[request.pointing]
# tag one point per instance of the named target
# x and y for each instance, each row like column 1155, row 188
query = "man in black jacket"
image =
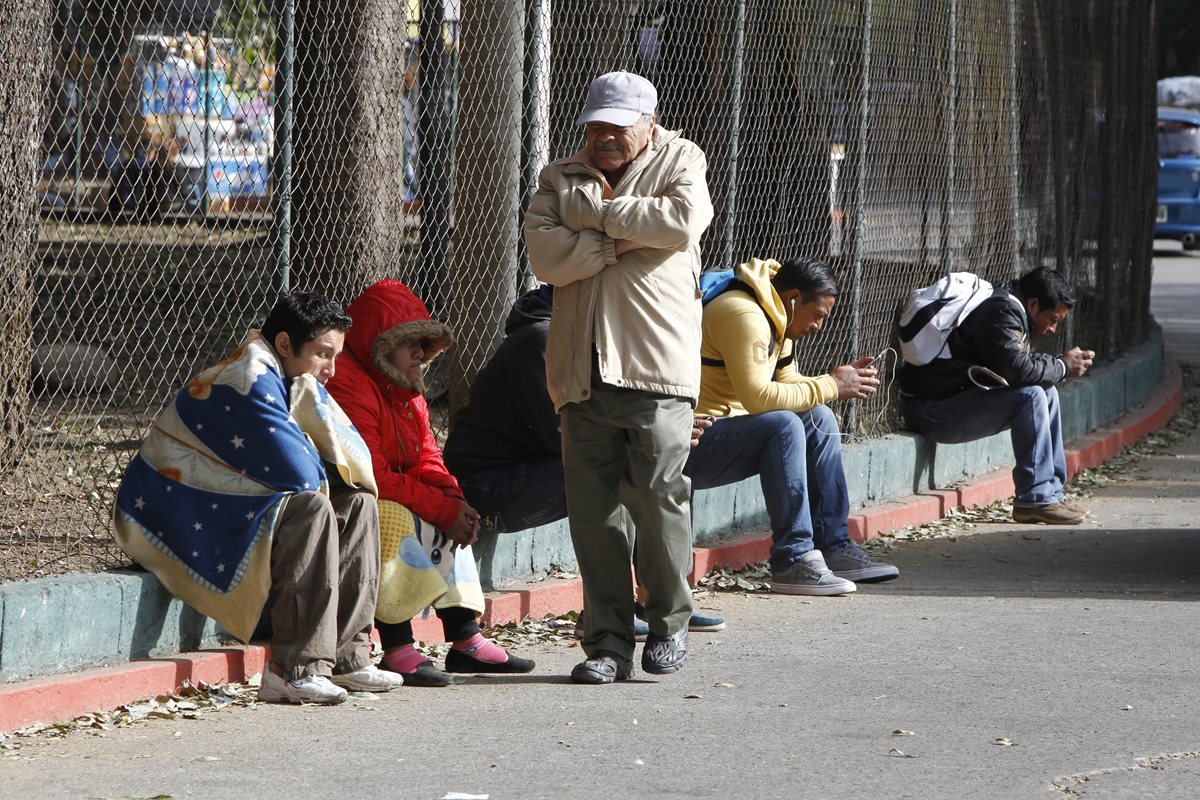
column 951, row 400
column 505, row 447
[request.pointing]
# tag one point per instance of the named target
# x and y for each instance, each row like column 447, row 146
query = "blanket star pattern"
column 201, row 501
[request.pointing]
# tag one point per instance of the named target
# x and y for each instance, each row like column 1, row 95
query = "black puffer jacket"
column 510, row 417
column 996, row 335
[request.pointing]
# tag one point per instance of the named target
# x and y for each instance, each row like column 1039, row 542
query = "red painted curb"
column 62, row 697
column 996, row 485
column 554, row 596
column 540, row 599
column 734, row 552
column 1154, row 415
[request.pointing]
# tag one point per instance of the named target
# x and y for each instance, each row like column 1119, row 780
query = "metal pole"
column 951, row 136
column 735, row 124
column 1108, row 256
column 436, row 127
column 79, row 56
column 537, row 120
column 860, row 199
column 1059, row 153
column 1060, row 158
column 204, row 75
column 282, row 166
column 1014, row 137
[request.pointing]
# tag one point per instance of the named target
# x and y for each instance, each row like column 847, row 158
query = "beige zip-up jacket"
column 640, row 311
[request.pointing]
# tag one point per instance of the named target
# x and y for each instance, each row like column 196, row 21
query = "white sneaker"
column 369, row 679
column 312, row 689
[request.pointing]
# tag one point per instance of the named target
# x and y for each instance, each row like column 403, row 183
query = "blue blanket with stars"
column 201, row 501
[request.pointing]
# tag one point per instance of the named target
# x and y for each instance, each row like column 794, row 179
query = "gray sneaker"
column 662, row 655
column 604, row 667
column 851, row 562
column 810, row 576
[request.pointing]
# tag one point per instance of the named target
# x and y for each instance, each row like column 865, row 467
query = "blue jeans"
column 783, row 448
column 798, row 460
column 518, row 496
column 1031, row 413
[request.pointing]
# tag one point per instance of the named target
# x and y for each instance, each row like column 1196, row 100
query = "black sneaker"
column 663, row 655
column 604, row 667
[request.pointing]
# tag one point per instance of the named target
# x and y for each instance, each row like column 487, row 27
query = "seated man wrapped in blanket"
column 253, row 486
column 426, row 527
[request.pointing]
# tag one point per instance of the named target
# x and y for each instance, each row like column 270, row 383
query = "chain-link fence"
column 196, row 156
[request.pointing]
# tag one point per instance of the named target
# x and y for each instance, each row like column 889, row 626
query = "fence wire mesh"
column 197, row 157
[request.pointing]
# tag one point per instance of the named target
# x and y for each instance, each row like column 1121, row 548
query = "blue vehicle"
column 1178, row 214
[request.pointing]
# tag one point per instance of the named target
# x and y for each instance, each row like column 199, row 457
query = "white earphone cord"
column 886, row 394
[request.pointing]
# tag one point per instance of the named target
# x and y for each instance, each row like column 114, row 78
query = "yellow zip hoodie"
column 756, row 377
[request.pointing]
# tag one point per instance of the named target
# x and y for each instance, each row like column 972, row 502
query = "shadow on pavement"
column 1041, row 562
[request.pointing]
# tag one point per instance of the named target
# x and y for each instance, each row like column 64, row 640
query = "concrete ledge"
column 60, row 624
column 924, row 507
column 39, row 619
column 899, row 465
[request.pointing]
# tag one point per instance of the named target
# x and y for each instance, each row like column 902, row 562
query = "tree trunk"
column 347, row 214
column 488, row 186
column 24, row 50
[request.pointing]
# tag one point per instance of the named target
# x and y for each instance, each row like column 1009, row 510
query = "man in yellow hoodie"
column 771, row 421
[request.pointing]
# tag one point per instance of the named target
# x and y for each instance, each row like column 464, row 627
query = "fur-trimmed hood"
column 385, row 315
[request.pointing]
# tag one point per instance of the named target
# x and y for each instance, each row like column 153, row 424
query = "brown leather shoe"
column 1053, row 514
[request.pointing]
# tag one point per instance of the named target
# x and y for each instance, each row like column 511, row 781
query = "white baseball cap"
column 619, row 98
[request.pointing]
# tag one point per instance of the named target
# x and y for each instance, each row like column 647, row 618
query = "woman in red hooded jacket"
column 427, row 527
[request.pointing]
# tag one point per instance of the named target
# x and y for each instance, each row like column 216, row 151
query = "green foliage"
column 251, row 25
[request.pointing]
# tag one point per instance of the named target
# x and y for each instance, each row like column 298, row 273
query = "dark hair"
column 1049, row 287
column 303, row 316
column 812, row 277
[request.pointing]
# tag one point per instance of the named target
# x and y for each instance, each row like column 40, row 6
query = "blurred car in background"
column 1178, row 213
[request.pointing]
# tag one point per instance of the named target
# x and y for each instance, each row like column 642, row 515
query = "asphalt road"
column 1173, row 298
column 1008, row 661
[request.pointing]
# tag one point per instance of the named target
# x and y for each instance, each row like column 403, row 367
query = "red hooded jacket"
column 389, row 411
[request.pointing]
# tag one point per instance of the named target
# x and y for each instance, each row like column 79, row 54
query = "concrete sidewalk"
column 63, row 697
column 1008, row 661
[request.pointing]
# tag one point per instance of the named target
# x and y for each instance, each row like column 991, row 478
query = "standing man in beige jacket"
column 616, row 229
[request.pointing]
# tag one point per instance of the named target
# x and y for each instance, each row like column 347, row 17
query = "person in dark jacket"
column 953, row 400
column 505, row 446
